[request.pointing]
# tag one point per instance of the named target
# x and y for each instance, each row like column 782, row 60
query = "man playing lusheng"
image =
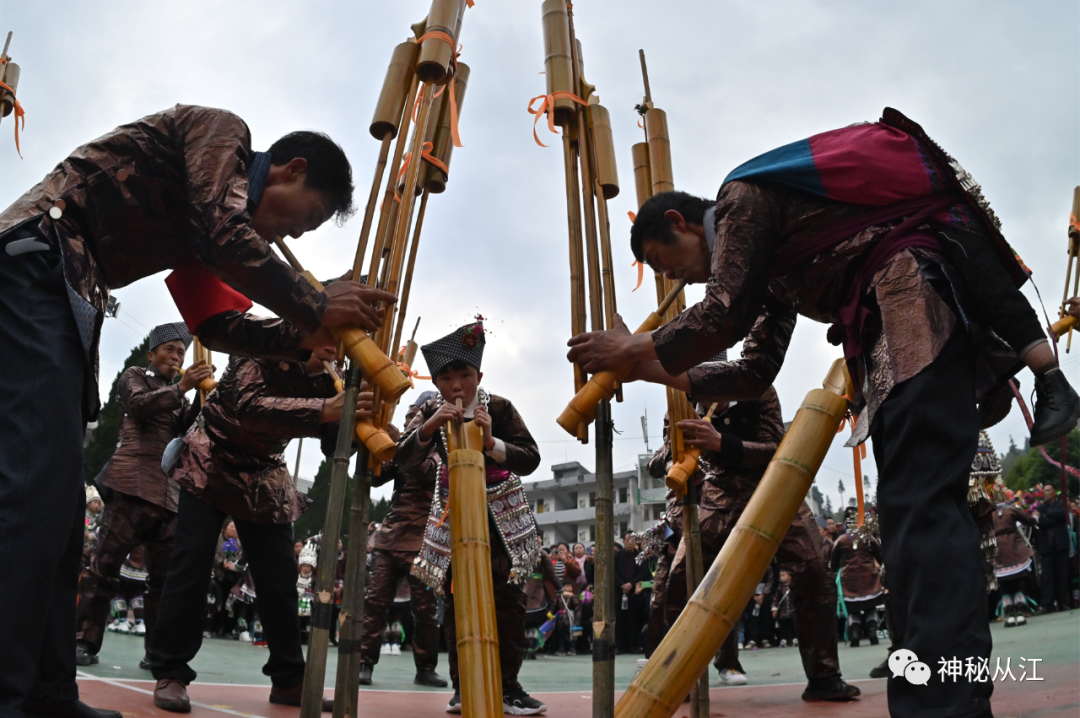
column 232, row 464
column 177, row 189
column 873, row 227
column 142, row 508
column 397, row 544
column 510, row 452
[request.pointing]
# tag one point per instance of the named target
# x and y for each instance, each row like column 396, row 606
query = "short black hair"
column 328, row 170
column 651, row 224
column 456, row 365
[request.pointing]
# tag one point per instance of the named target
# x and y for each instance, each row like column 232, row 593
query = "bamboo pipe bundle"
column 656, row 130
column 359, row 347
column 692, row 642
column 642, row 172
column 395, row 90
column 607, row 172
column 377, row 441
column 434, row 179
column 435, row 55
column 474, row 592
column 678, row 477
column 601, row 386
column 1064, row 325
column 695, row 570
column 558, row 65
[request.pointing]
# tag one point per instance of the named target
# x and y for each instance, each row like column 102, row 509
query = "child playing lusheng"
column 510, row 451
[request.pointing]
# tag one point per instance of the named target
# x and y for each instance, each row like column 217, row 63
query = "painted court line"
column 118, row 684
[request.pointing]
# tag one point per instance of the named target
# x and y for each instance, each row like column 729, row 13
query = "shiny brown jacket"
column 154, row 195
column 1012, row 549
column 858, row 566
column 402, row 529
column 233, row 459
column 155, row 412
column 755, row 220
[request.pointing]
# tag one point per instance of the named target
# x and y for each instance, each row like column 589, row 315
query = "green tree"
column 379, row 509
column 815, row 494
column 313, row 520
column 1031, row 468
column 106, row 436
column 827, row 509
column 840, row 488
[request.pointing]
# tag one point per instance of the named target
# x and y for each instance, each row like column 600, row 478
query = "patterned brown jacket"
column 233, row 458
column 153, row 195
column 155, row 412
column 1012, row 549
column 402, row 529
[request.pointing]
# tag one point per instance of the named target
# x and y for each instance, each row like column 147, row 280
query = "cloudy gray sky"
column 997, row 84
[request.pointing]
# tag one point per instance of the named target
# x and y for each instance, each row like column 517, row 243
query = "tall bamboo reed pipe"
column 474, row 593
column 558, row 65
column 372, row 362
column 577, row 264
column 442, row 145
column 711, row 612
column 1073, row 270
column 323, row 601
column 601, row 386
column 406, row 285
column 347, row 685
column 695, row 570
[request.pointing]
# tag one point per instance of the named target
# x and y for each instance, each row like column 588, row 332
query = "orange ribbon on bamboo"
column 640, row 265
column 425, row 154
column 548, row 105
column 20, row 114
column 445, row 37
column 411, row 373
column 859, row 453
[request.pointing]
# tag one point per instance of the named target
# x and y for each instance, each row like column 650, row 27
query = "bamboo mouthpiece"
column 1063, row 325
column 377, row 440
column 208, row 384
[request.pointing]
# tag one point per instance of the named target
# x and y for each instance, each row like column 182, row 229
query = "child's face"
column 456, row 384
column 785, row 577
column 94, row 506
column 305, row 570
column 568, row 590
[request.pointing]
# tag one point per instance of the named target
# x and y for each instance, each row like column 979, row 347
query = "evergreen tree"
column 818, row 499
column 827, row 510
column 379, row 509
column 1031, row 468
column 106, row 437
column 841, row 489
column 313, row 520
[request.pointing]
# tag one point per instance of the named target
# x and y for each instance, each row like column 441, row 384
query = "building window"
column 622, row 495
column 540, row 506
column 592, row 533
column 592, row 498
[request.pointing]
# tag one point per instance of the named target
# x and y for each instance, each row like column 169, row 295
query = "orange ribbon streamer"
column 640, row 265
column 20, row 114
column 425, row 154
column 445, row 37
column 411, row 373
column 548, row 105
column 1074, row 224
column 858, row 453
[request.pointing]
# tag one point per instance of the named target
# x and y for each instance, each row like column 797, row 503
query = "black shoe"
column 830, row 689
column 365, row 675
column 64, row 709
column 454, row 706
column 429, row 678
column 145, row 662
column 83, row 656
column 520, row 703
column 1057, row 407
column 881, row 670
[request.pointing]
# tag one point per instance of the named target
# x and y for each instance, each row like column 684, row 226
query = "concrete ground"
column 230, row 680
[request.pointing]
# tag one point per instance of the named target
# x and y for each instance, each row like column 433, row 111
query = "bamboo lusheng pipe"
column 558, row 65
column 695, row 570
column 659, row 151
column 208, row 384
column 692, row 642
column 607, row 172
column 1073, row 269
column 434, row 180
column 601, row 387
column 347, row 685
column 1064, row 325
column 678, row 477
column 406, row 287
column 642, row 172
column 435, row 55
column 359, row 347
column 322, row 601
column 577, row 265
column 596, row 299
column 474, row 592
column 377, row 440
column 9, row 75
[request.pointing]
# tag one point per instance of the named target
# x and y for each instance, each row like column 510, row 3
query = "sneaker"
column 365, row 674
column 385, row 650
column 1010, row 621
column 1021, row 619
column 740, row 646
column 830, row 689
column 732, row 678
column 395, row 649
column 454, row 706
column 881, row 670
column 139, row 629
column 795, row 642
column 83, row 656
column 751, row 645
column 207, row 634
column 1057, row 407
column 571, row 652
column 245, row 636
column 560, row 653
column 783, row 643
column 520, row 703
column 429, row 678
column 766, row 644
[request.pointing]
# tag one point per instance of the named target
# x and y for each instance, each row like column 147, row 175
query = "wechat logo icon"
column 905, row 664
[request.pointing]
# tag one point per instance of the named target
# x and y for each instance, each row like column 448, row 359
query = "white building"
column 565, row 505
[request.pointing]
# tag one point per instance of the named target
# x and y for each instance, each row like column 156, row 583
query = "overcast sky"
column 997, row 84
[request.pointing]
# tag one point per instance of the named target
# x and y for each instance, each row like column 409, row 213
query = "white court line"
column 118, row 684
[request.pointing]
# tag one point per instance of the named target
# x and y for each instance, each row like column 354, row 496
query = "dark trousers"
column 42, row 493
column 178, row 636
column 128, row 522
column 924, row 436
column 509, row 621
column 387, row 568
column 1054, row 582
column 812, row 594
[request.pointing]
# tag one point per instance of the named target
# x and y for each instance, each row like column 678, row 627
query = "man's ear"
column 295, row 170
column 676, row 219
column 479, row 377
